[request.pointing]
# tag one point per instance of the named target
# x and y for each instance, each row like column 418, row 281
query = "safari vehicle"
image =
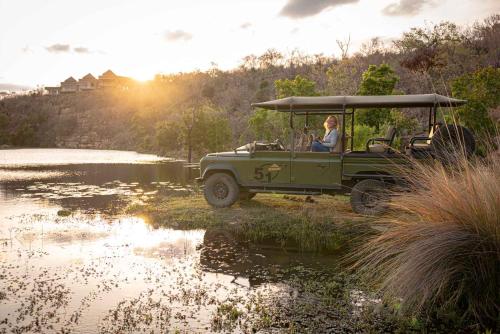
column 366, row 175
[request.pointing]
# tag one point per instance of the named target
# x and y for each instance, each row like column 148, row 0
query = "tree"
column 4, row 123
column 216, row 129
column 344, row 77
column 199, row 129
column 265, row 124
column 425, row 49
column 167, row 136
column 376, row 80
column 481, row 90
column 299, row 86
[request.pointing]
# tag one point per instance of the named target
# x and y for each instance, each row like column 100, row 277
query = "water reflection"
column 95, row 187
column 225, row 253
column 99, row 270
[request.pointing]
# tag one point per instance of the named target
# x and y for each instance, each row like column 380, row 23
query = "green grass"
column 326, row 225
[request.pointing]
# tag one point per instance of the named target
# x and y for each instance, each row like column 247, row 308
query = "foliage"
column 4, row 123
column 481, row 90
column 362, row 133
column 424, row 49
column 24, row 135
column 403, row 123
column 129, row 119
column 167, row 137
column 343, row 78
column 377, row 80
column 268, row 124
column 198, row 129
column 216, row 130
column 299, row 86
column 442, row 250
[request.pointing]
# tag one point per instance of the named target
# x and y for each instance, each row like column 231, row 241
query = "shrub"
column 442, row 251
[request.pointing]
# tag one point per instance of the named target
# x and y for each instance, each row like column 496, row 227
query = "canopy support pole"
column 343, row 133
column 292, row 134
column 352, row 129
column 429, row 126
column 435, row 112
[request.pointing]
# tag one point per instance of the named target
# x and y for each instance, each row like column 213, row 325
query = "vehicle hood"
column 229, row 154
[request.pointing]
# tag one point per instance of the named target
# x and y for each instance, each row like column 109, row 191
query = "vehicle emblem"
column 274, row 168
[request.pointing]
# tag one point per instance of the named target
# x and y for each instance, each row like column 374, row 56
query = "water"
column 102, row 270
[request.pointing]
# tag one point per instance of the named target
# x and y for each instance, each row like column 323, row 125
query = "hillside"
column 165, row 114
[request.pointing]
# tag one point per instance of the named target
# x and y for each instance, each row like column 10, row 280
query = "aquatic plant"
column 442, row 251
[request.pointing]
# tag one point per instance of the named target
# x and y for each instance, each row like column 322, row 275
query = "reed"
column 441, row 252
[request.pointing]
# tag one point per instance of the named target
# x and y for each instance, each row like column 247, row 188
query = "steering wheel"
column 280, row 145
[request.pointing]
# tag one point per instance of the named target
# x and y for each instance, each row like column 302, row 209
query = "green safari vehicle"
column 270, row 167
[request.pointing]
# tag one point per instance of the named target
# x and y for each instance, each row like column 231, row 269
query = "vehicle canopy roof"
column 333, row 103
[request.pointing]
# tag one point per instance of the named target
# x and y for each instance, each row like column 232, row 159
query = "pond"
column 72, row 261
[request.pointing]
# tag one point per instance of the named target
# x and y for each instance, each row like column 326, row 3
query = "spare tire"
column 452, row 142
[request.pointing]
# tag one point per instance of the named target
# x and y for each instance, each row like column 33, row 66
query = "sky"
column 43, row 42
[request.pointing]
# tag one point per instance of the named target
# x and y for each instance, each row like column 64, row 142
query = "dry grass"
column 442, row 252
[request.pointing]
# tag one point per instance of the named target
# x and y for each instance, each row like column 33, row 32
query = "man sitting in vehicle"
column 330, row 139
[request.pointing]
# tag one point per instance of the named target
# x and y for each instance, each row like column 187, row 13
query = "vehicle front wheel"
column 221, row 190
column 369, row 197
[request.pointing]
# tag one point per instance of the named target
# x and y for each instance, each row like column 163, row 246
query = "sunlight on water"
column 7, row 175
column 44, row 157
column 72, row 259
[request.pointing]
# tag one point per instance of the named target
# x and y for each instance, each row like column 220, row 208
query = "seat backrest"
column 432, row 132
column 338, row 147
column 390, row 134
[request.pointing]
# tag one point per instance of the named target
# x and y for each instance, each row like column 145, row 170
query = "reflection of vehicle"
column 270, row 167
column 224, row 252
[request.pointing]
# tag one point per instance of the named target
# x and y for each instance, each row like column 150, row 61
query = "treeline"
column 192, row 113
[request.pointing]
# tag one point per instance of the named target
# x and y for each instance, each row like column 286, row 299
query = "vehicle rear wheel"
column 221, row 190
column 246, row 196
column 369, row 197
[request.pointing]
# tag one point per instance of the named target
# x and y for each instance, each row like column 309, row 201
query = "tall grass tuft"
column 441, row 252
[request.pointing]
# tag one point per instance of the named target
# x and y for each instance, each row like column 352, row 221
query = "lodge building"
column 89, row 83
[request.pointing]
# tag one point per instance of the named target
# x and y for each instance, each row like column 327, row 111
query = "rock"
column 64, row 213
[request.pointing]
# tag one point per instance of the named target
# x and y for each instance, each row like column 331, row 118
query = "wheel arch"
column 221, row 168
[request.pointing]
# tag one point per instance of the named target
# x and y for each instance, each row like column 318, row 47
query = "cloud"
column 178, row 35
column 297, row 9
column 27, row 49
column 58, row 48
column 81, row 49
column 245, row 25
column 405, row 8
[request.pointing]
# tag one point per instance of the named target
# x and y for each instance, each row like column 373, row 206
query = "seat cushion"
column 377, row 148
column 421, row 145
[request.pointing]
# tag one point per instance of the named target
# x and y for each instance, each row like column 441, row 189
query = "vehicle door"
column 316, row 169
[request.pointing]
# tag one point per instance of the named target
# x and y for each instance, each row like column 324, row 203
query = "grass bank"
column 323, row 225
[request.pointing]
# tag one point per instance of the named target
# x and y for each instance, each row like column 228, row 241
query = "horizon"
column 42, row 43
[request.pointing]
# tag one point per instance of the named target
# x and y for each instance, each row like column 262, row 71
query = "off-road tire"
column 221, row 190
column 369, row 197
column 246, row 196
column 451, row 143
